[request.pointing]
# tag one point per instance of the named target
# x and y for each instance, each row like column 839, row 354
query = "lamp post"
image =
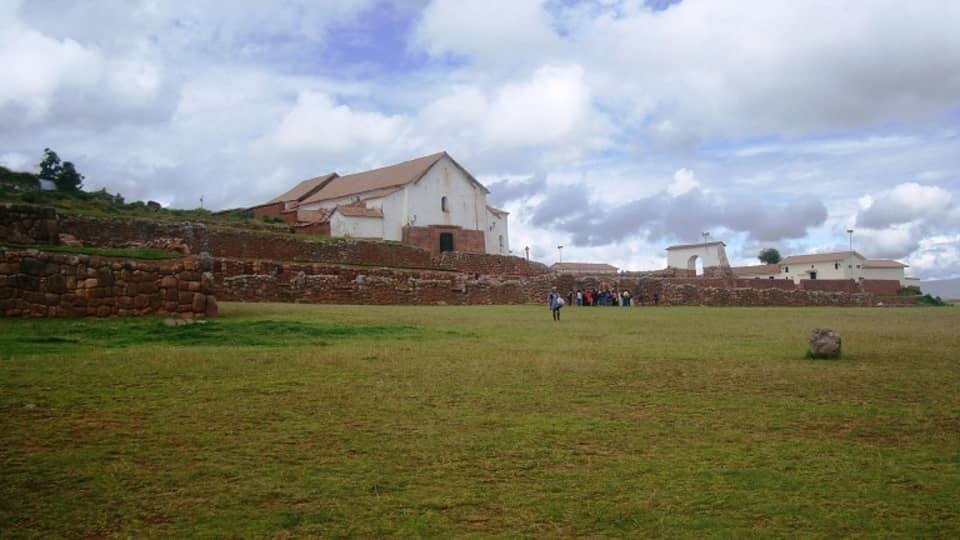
column 560, row 250
column 706, row 236
column 527, row 250
column 850, row 232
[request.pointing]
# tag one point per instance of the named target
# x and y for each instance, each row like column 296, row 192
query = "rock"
column 824, row 343
column 177, row 322
column 69, row 240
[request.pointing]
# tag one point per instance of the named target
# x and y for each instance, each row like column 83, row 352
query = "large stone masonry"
column 42, row 284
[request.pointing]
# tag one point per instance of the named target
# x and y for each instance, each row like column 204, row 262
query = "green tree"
column 68, row 178
column 50, row 166
column 769, row 256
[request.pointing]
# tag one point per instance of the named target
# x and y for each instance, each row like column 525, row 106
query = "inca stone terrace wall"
column 42, row 284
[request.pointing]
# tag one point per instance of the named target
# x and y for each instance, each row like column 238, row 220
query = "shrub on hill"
column 931, row 300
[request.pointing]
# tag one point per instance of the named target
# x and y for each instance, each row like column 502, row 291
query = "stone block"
column 199, row 303
column 824, row 343
column 212, row 309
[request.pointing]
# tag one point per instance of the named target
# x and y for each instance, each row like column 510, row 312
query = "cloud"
column 936, row 257
column 505, row 191
column 487, row 31
column 670, row 215
column 904, row 203
column 683, row 181
column 317, row 124
column 543, row 109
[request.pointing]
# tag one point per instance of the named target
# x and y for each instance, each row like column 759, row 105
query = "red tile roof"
column 359, row 211
column 884, row 263
column 820, row 257
column 756, row 269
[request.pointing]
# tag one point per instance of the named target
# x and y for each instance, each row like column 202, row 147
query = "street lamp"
column 527, row 250
column 850, row 232
column 560, row 250
column 705, row 235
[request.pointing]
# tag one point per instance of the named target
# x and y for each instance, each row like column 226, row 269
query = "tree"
column 769, row 256
column 64, row 175
column 69, row 179
column 50, row 166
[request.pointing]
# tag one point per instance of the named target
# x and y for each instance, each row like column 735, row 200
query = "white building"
column 431, row 202
column 708, row 254
column 842, row 265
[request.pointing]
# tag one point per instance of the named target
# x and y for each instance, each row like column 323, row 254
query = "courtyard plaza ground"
column 306, row 420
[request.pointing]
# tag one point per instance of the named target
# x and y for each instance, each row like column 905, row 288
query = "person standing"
column 555, row 302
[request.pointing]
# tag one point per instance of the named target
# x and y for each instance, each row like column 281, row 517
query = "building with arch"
column 711, row 255
column 430, row 202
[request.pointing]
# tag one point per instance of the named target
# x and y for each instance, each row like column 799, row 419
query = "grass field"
column 291, row 420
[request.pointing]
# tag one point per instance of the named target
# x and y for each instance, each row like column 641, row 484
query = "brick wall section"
column 316, row 228
column 41, row 284
column 27, row 224
column 465, row 240
column 881, row 286
column 832, row 285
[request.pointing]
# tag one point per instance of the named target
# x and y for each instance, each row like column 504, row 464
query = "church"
column 430, row 202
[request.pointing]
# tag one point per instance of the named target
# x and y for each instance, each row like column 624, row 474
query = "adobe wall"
column 881, row 286
column 464, row 240
column 41, row 284
column 832, row 285
column 275, row 211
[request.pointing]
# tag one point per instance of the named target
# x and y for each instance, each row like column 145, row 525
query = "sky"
column 614, row 128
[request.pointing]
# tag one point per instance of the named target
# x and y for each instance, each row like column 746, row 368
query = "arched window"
column 443, row 204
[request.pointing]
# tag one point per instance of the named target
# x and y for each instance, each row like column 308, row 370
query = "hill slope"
column 944, row 288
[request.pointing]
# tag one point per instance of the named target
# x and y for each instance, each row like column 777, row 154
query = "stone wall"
column 685, row 294
column 42, row 284
column 27, row 224
column 243, row 244
column 495, row 265
column 269, row 281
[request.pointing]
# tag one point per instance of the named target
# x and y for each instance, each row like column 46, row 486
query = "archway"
column 695, row 263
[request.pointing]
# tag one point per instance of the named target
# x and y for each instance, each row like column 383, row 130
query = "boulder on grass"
column 824, row 343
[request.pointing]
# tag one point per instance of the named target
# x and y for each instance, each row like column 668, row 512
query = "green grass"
column 295, row 420
column 128, row 253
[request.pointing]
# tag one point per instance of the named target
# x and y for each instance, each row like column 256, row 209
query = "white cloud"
column 317, row 124
column 35, row 67
column 683, row 181
column 904, row 203
column 937, row 257
column 543, row 109
column 489, row 31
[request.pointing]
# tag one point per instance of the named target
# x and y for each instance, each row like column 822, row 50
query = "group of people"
column 593, row 297
column 603, row 297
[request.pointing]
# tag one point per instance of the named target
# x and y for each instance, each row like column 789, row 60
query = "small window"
column 858, row 266
column 836, row 266
column 443, row 204
column 786, row 269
